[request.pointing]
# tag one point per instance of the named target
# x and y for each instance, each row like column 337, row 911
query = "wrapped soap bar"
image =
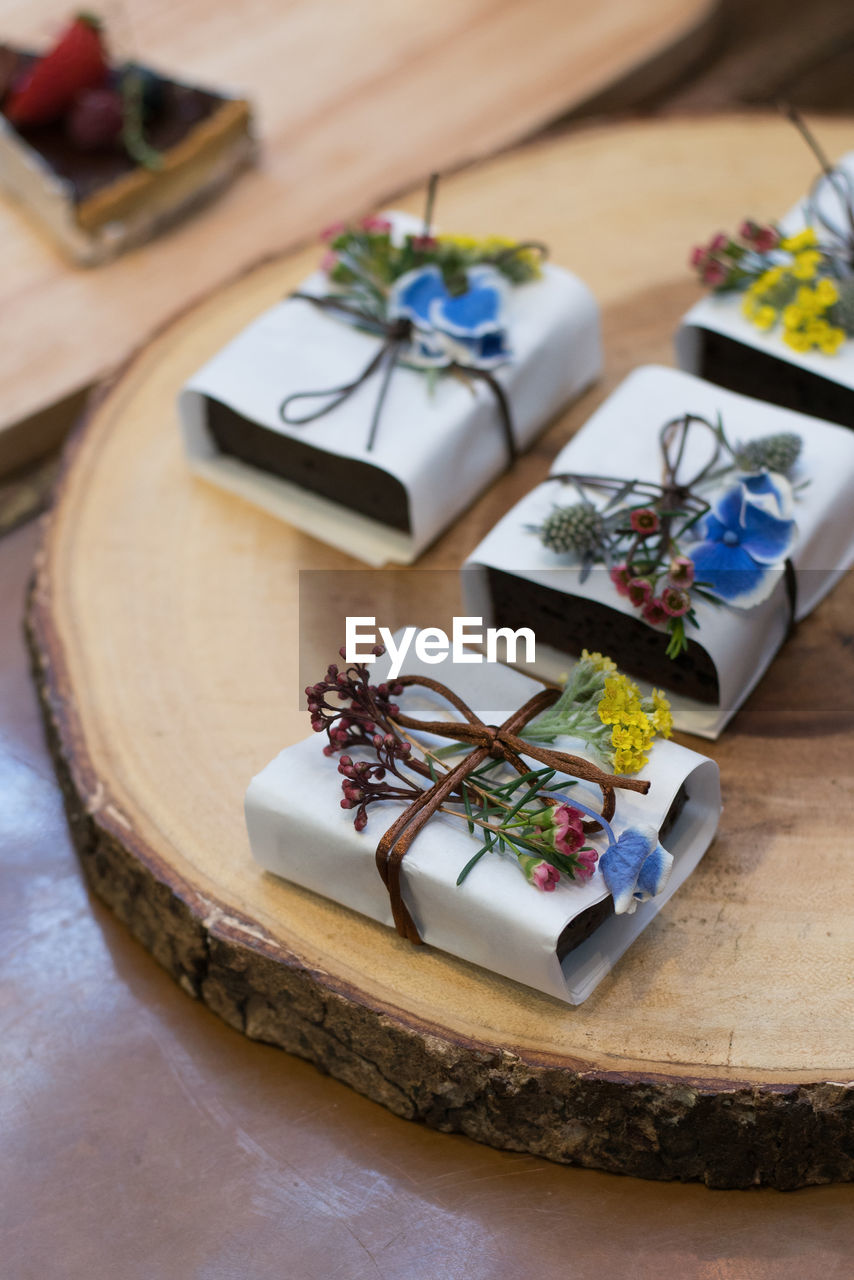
column 562, row 941
column 780, row 321
column 354, row 428
column 767, row 532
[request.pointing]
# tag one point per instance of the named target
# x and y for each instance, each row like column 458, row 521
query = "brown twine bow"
column 395, row 334
column 672, row 490
column 500, row 742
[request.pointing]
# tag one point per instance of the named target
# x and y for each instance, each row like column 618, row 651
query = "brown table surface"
column 141, row 1138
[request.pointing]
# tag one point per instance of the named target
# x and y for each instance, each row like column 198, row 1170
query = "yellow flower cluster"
column 634, row 721
column 466, row 243
column 805, row 239
column 493, row 245
column 805, row 253
column 805, row 324
column 782, row 293
column 599, row 661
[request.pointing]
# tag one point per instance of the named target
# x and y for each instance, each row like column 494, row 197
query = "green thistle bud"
column 778, row 453
column 843, row 312
column 577, row 528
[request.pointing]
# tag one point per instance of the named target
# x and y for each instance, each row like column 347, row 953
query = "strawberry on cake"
column 105, row 154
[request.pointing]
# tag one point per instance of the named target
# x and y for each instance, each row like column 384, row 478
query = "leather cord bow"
column 498, row 742
column 394, row 335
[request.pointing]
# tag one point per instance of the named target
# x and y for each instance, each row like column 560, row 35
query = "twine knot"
column 498, row 742
column 394, row 335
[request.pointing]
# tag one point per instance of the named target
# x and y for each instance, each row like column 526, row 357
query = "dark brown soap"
column 569, row 624
column 356, row 485
column 738, row 367
column 88, row 172
column 580, row 929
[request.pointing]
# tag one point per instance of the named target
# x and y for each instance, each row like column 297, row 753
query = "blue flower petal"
column 622, row 862
column 765, row 537
column 710, row 528
column 770, row 491
column 493, row 347
column 654, row 874
column 729, row 510
column 468, row 328
column 731, row 573
column 413, row 293
column 762, row 484
column 468, row 315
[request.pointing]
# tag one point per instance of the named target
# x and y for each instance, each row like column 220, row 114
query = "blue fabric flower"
column 467, row 328
column 770, row 491
column 745, row 540
column 635, row 868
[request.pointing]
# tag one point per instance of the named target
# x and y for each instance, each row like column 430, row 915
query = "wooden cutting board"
column 354, row 100
column 164, row 630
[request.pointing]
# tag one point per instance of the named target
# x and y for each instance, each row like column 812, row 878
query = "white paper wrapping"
column 444, row 447
column 621, row 439
column 721, row 313
column 495, row 918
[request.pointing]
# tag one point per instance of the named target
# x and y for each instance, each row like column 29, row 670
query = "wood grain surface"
column 353, row 101
column 163, row 623
column 125, row 1105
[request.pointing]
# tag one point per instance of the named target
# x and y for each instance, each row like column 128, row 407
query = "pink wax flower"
column 329, row 261
column 559, row 828
column 334, row 230
column 714, row 273
column 379, row 226
column 766, row 238
column 654, row 613
column 718, row 242
column 674, row 602
column 424, row 244
column 587, row 859
column 645, row 521
column 681, row 571
column 639, row 592
column 620, row 576
column 545, row 877
column 698, row 256
column 569, row 833
column 541, row 874
column 758, row 237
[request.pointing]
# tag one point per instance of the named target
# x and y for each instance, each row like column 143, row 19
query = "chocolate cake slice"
column 98, row 200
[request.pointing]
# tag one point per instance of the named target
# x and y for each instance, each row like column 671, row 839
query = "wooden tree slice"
column 163, row 624
column 352, row 101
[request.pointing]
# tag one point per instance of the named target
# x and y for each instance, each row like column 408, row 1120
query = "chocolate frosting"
column 89, row 172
